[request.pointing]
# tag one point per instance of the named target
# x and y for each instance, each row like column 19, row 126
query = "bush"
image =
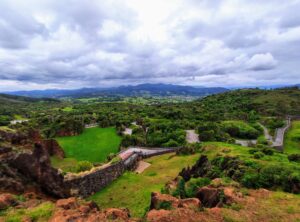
column 258, row 155
column 165, row 205
column 192, row 186
column 83, row 166
column 294, row 157
column 171, row 143
column 268, row 151
column 252, row 151
column 115, row 160
column 190, row 149
column 251, row 180
column 262, row 140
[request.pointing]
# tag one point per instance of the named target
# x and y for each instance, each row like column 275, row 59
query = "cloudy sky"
column 96, row 43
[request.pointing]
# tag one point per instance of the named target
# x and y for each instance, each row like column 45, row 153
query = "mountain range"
column 130, row 90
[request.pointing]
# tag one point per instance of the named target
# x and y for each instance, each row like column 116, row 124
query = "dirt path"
column 142, row 165
column 192, row 136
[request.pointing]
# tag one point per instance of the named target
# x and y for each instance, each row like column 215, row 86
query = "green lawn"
column 292, row 139
column 133, row 191
column 66, row 164
column 93, row 145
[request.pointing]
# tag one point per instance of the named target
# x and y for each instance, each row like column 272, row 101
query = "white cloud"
column 47, row 43
column 262, row 62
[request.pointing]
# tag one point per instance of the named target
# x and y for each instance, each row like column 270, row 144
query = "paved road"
column 279, row 134
column 192, row 136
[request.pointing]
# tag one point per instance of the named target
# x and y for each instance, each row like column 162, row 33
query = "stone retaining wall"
column 87, row 184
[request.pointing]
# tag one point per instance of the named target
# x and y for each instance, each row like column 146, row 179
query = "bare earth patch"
column 142, row 165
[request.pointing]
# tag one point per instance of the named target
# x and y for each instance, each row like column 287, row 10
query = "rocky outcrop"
column 53, row 148
column 200, row 169
column 211, row 197
column 166, row 208
column 164, row 201
column 76, row 210
column 36, row 165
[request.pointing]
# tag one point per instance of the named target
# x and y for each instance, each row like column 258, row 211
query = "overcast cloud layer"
column 75, row 43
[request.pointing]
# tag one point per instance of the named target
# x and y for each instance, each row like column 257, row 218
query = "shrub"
column 111, row 156
column 192, row 186
column 258, row 155
column 171, row 143
column 189, row 149
column 83, row 166
column 252, row 151
column 262, row 140
column 294, row 157
column 165, row 205
column 268, row 151
column 251, row 180
column 115, row 160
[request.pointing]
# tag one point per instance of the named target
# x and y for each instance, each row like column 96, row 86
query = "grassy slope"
column 133, row 190
column 94, row 144
column 292, row 139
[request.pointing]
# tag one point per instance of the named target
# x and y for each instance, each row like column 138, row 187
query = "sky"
column 94, row 43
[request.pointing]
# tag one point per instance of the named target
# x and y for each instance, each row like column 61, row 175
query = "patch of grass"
column 66, row 164
column 67, row 109
column 292, row 139
column 133, row 191
column 40, row 213
column 19, row 117
column 93, row 145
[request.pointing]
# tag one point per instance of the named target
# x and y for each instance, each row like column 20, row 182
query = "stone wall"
column 87, row 184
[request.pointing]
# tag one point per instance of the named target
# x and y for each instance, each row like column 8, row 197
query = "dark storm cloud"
column 75, row 43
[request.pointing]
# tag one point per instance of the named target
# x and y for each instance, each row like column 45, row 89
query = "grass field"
column 133, row 191
column 93, row 145
column 292, row 139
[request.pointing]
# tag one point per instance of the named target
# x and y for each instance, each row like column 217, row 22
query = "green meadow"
column 292, row 139
column 93, row 145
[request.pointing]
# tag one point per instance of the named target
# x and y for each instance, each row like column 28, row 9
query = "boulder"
column 177, row 215
column 66, row 204
column 117, row 214
column 159, row 201
column 190, row 203
column 211, row 197
column 7, row 200
column 75, row 210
